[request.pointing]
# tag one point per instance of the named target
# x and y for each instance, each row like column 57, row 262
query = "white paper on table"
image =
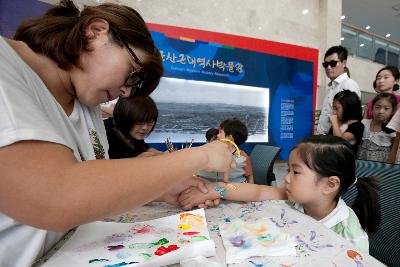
column 244, row 239
column 118, row 244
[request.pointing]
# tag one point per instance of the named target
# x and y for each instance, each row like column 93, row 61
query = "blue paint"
column 256, row 264
column 121, row 264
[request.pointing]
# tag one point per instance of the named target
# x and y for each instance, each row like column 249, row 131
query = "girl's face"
column 337, row 109
column 104, row 68
column 301, row 183
column 382, row 110
column 140, row 130
column 385, row 82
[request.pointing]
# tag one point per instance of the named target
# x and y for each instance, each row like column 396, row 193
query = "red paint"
column 191, row 233
column 144, row 230
column 164, row 250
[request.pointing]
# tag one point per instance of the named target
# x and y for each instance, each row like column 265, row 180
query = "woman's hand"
column 219, row 158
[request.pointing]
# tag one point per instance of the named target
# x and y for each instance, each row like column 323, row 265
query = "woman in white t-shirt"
column 53, row 77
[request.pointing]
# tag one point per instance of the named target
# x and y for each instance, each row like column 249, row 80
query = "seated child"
column 236, row 131
column 321, row 169
column 212, row 134
column 377, row 139
column 346, row 118
column 133, row 119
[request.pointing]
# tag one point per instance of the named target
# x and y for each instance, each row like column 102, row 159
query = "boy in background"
column 235, row 130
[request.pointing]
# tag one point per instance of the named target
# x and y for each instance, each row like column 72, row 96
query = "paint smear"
column 164, row 250
column 146, row 256
column 113, row 248
column 123, row 255
column 145, row 230
column 353, row 254
column 121, row 264
column 183, row 226
column 198, row 238
column 160, row 242
column 191, row 233
column 97, row 260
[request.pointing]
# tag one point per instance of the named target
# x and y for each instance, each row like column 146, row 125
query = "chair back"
column 384, row 244
column 263, row 158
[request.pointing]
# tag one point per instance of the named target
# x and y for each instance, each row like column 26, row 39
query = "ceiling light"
column 341, row 38
column 305, row 11
column 342, row 17
column 367, row 27
column 387, row 35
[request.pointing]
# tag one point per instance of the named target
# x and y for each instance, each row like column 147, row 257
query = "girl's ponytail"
column 366, row 204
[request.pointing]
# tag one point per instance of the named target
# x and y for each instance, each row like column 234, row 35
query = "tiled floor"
column 280, row 170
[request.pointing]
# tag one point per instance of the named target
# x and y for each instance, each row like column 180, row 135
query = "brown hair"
column 59, row 35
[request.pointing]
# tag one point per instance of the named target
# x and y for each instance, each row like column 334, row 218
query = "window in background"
column 349, row 40
column 365, row 46
column 380, row 51
column 393, row 56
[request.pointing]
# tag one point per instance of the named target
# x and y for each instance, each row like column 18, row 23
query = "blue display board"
column 212, row 76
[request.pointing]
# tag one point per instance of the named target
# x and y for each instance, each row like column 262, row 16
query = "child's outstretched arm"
column 233, row 191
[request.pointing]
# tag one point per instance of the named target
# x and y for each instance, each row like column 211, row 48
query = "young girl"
column 386, row 81
column 377, row 139
column 321, row 169
column 133, row 120
column 346, row 118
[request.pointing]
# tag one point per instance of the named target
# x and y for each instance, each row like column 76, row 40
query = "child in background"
column 321, row 169
column 236, row 131
column 346, row 118
column 212, row 135
column 377, row 139
column 394, row 124
column 386, row 81
column 133, row 119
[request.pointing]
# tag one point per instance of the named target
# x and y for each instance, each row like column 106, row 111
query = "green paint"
column 97, row 260
column 198, row 238
column 160, row 242
column 267, row 237
column 145, row 255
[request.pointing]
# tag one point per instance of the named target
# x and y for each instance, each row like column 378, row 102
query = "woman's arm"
column 395, row 148
column 43, row 185
column 232, row 191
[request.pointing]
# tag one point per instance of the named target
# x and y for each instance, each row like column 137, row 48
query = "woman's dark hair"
column 134, row 110
column 236, row 128
column 395, row 72
column 60, row 35
column 351, row 104
column 393, row 102
column 212, row 134
column 329, row 155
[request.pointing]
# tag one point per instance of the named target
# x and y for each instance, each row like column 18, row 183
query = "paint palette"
column 245, row 239
column 163, row 241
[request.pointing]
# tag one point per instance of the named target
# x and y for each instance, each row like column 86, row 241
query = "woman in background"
column 133, row 120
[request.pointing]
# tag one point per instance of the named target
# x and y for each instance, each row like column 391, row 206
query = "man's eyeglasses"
column 331, row 63
column 135, row 79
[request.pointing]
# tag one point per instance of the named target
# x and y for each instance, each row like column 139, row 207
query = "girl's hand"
column 334, row 119
column 193, row 197
column 219, row 158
